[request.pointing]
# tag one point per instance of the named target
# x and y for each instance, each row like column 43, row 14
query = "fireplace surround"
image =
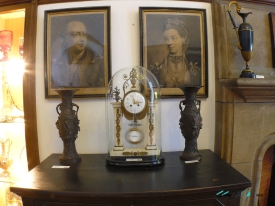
column 271, row 197
column 247, row 128
column 267, row 189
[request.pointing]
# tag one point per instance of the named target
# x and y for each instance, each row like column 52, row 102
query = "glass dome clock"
column 133, row 118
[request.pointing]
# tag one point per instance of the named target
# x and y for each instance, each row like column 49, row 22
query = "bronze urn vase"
column 190, row 123
column 68, row 126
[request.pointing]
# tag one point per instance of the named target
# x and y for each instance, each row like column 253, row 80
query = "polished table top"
column 92, row 177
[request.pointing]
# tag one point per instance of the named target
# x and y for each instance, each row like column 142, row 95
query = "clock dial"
column 134, row 102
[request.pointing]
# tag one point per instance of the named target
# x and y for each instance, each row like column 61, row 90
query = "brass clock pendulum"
column 134, row 135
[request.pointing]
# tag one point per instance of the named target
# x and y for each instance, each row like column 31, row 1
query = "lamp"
column 6, row 38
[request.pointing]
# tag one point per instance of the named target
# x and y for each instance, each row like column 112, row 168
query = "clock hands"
column 136, row 101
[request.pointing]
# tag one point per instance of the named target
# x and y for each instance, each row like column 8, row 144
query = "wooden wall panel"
column 29, row 86
column 267, row 2
column 10, row 2
column 64, row 1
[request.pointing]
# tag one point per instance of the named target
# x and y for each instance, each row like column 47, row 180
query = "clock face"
column 134, row 102
column 134, row 136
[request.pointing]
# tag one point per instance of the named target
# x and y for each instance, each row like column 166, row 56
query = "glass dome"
column 133, row 118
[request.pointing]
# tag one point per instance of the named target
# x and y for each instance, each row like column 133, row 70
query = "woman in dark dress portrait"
column 175, row 70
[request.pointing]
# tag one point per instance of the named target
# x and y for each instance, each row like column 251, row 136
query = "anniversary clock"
column 133, row 118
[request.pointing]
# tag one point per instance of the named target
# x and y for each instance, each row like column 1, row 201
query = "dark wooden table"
column 93, row 183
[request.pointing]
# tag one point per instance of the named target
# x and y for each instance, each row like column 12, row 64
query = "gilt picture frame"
column 173, row 46
column 77, row 51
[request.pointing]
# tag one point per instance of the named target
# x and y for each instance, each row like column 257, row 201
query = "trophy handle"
column 238, row 8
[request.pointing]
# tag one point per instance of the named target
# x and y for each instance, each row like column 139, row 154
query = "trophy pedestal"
column 247, row 73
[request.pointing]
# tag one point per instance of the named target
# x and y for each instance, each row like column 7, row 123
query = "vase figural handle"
column 199, row 104
column 181, row 103
column 59, row 108
column 77, row 107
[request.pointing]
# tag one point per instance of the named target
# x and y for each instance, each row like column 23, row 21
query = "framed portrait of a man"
column 77, row 51
column 173, row 47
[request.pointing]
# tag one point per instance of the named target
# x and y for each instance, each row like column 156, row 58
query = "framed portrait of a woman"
column 173, row 47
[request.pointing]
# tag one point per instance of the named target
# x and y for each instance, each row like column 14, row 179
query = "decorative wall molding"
column 265, row 2
column 252, row 90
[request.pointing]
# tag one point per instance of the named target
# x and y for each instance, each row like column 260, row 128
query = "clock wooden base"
column 135, row 160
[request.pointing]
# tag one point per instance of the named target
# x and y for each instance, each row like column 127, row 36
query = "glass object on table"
column 5, row 159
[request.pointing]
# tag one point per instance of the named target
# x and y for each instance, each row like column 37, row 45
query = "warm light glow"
column 18, row 169
column 15, row 69
column 14, row 14
column 11, row 94
column 14, row 72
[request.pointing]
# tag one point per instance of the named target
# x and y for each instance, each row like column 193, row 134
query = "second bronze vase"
column 190, row 123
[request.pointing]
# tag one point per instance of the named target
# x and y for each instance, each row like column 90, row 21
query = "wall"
column 245, row 121
column 125, row 53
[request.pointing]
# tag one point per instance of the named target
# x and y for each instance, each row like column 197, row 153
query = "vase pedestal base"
column 190, row 156
column 67, row 161
column 247, row 73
